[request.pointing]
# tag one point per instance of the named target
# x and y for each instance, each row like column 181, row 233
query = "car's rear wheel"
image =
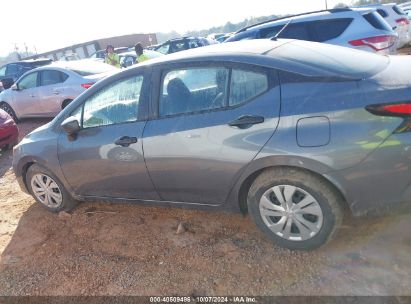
column 9, row 110
column 295, row 208
column 48, row 190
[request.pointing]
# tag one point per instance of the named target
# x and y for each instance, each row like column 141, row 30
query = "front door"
column 106, row 158
column 26, row 99
column 212, row 121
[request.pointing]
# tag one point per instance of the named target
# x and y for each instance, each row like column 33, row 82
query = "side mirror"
column 71, row 125
column 15, row 87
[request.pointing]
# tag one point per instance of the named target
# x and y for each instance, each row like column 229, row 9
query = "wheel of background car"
column 9, row 110
column 295, row 208
column 48, row 190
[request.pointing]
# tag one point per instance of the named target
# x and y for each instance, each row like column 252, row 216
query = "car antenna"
column 282, row 29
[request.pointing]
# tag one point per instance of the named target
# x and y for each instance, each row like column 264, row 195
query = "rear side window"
column 383, row 13
column 193, row 90
column 50, row 77
column 245, row 85
column 377, row 21
column 292, row 31
column 398, row 10
column 330, row 29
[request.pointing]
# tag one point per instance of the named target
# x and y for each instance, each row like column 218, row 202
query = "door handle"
column 56, row 92
column 246, row 121
column 31, row 95
column 125, row 141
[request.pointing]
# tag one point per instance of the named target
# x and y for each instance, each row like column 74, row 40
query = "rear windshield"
column 329, row 60
column 377, row 21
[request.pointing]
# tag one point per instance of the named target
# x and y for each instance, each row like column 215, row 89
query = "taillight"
column 378, row 43
column 402, row 109
column 404, row 21
column 87, row 85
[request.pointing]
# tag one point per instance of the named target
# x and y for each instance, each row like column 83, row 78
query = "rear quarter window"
column 376, row 21
column 398, row 10
column 330, row 29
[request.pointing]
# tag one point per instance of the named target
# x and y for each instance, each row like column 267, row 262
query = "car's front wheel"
column 48, row 190
column 295, row 208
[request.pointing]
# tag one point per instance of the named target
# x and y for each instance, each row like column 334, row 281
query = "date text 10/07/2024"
column 199, row 299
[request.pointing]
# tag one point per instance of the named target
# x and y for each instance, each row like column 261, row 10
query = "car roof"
column 286, row 18
column 302, row 57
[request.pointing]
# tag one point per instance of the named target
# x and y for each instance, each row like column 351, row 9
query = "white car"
column 397, row 19
column 45, row 91
column 360, row 28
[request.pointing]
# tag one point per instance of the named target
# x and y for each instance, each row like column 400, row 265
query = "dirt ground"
column 117, row 249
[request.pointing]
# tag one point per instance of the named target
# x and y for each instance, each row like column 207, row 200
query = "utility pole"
column 326, row 4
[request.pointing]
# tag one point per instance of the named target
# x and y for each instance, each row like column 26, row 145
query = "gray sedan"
column 45, row 91
column 292, row 132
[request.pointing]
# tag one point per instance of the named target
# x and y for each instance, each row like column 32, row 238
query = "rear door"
column 51, row 91
column 211, row 121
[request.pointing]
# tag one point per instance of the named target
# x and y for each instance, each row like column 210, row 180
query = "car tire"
column 295, row 208
column 47, row 190
column 9, row 110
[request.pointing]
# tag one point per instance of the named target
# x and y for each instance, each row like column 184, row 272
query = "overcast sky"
column 51, row 24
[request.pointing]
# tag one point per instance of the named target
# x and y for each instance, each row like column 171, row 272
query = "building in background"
column 86, row 49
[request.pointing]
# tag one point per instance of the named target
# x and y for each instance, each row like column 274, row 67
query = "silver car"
column 45, row 91
column 360, row 28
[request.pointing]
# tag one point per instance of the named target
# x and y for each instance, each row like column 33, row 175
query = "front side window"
column 245, row 85
column 50, row 77
column 193, row 89
column 29, row 81
column 116, row 103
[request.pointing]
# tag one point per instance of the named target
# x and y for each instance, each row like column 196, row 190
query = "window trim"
column 141, row 111
column 272, row 77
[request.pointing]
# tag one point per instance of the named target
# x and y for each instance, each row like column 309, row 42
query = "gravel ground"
column 119, row 249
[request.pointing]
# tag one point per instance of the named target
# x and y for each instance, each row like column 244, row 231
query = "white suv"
column 396, row 18
column 362, row 29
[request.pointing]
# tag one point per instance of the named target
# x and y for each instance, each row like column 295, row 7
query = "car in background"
column 130, row 58
column 70, row 57
column 396, row 18
column 362, row 29
column 216, row 36
column 10, row 72
column 101, row 54
column 9, row 133
column 181, row 44
column 45, row 91
column 224, row 37
column 294, row 133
